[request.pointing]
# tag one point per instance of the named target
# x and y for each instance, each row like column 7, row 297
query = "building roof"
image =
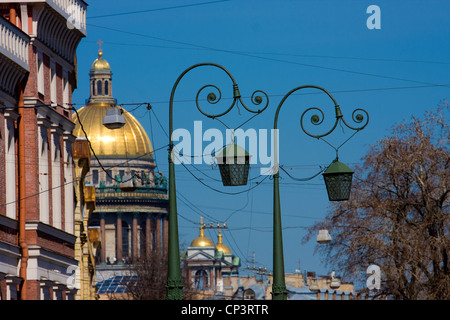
column 100, row 65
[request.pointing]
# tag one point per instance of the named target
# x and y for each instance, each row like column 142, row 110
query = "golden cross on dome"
column 100, row 52
column 100, row 44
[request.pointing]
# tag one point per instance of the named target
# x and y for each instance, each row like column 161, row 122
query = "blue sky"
column 393, row 72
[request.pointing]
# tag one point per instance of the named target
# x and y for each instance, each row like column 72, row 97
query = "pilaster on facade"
column 38, row 41
column 88, row 241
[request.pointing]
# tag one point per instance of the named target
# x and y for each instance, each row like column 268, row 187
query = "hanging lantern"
column 128, row 184
column 323, row 236
column 338, row 180
column 234, row 165
column 114, row 118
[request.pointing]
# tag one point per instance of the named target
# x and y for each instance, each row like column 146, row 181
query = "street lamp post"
column 279, row 291
column 174, row 282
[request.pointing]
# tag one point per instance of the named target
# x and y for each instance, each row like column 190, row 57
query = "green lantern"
column 234, row 165
column 338, row 180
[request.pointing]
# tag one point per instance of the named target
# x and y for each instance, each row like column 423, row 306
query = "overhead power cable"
column 318, row 56
column 155, row 9
column 267, row 58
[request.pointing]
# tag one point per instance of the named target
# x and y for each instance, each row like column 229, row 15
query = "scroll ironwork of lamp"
column 337, row 178
column 174, row 282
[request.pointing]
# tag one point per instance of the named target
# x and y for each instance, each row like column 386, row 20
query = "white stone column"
column 10, row 162
column 69, row 204
column 44, row 192
column 56, row 176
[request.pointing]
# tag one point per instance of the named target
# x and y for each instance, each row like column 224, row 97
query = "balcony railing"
column 73, row 10
column 140, row 192
column 14, row 44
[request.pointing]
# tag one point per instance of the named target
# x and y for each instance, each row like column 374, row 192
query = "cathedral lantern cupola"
column 101, row 80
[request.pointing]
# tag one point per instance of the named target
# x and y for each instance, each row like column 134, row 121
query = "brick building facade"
column 37, row 78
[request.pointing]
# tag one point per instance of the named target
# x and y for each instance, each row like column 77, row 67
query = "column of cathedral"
column 156, row 236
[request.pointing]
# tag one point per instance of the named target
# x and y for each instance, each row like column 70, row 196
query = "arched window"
column 106, row 88
column 249, row 294
column 201, row 279
column 126, row 248
column 99, row 87
column 93, row 87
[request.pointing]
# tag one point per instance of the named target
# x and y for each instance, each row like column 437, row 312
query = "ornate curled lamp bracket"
column 359, row 116
column 215, row 95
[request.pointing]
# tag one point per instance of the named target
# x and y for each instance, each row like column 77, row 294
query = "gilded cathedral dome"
column 129, row 141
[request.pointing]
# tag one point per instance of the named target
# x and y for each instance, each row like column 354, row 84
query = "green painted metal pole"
column 174, row 287
column 174, row 283
column 279, row 285
column 279, row 291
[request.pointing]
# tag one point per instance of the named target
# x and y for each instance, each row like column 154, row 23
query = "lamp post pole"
column 174, row 281
column 279, row 291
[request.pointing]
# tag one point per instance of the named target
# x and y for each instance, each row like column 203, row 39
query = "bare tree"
column 146, row 280
column 398, row 214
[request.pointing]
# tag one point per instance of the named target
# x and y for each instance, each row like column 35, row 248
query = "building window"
column 95, row 177
column 93, row 88
column 99, row 87
column 249, row 294
column 106, row 88
column 125, row 241
column 108, row 176
column 201, row 279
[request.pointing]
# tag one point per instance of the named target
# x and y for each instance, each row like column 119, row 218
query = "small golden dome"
column 202, row 240
column 130, row 140
column 220, row 246
column 100, row 65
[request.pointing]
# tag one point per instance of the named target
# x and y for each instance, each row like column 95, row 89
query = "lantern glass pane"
column 234, row 174
column 338, row 186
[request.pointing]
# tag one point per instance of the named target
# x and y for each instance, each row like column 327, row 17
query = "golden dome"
column 202, row 240
column 220, row 246
column 100, row 65
column 130, row 140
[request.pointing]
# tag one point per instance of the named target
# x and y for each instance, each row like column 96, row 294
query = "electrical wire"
column 156, row 9
column 240, row 53
column 282, row 53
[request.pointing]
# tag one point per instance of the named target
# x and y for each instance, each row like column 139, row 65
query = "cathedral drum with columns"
column 131, row 206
